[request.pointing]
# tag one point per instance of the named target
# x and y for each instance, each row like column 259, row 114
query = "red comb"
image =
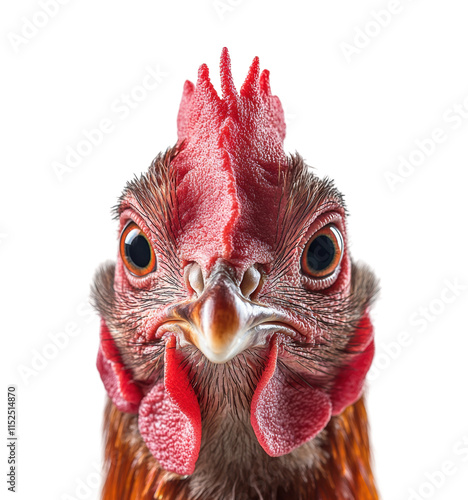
column 252, row 116
column 231, row 150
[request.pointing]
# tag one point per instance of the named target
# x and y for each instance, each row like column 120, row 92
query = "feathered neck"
column 343, row 471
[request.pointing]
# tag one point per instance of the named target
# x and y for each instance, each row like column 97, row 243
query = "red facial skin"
column 232, row 201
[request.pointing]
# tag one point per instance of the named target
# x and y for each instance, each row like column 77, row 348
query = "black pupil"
column 137, row 249
column 321, row 253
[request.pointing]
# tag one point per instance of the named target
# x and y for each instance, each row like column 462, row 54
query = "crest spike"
column 265, row 82
column 250, row 88
column 227, row 83
column 205, row 90
column 182, row 118
column 203, row 81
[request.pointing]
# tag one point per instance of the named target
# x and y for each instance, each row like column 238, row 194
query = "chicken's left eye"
column 323, row 253
column 136, row 251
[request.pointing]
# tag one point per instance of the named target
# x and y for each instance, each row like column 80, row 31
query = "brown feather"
column 132, row 473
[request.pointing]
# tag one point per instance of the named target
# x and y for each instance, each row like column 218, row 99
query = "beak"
column 222, row 320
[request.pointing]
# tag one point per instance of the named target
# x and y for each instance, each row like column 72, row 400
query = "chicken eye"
column 136, row 251
column 323, row 253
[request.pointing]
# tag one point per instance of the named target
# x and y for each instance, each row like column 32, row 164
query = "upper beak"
column 222, row 320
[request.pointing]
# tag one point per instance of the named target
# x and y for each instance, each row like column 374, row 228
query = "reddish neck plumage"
column 345, row 472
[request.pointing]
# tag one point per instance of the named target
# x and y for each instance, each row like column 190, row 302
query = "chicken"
column 235, row 332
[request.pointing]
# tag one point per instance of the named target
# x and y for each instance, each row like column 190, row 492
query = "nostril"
column 194, row 278
column 250, row 281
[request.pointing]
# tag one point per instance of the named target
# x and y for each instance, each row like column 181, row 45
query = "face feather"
column 229, row 322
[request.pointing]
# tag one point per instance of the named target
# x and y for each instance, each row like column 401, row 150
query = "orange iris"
column 136, row 251
column 323, row 252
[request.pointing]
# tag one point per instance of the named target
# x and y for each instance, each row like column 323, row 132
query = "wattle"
column 284, row 415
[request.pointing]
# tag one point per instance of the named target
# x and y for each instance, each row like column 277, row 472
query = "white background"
column 352, row 117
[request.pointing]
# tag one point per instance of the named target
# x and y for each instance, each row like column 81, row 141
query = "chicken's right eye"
column 323, row 253
column 136, row 251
